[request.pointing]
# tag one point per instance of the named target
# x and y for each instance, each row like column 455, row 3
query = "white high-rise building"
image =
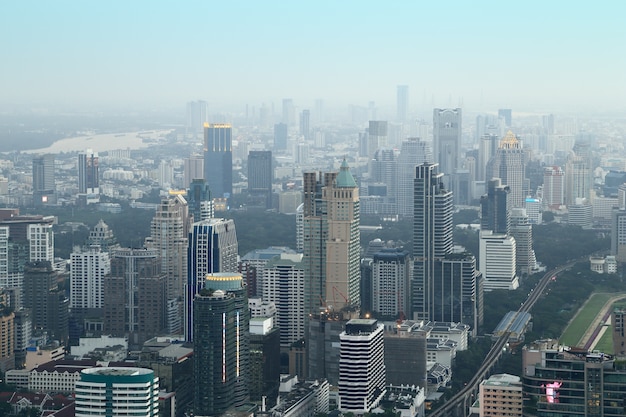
column 87, row 272
column 447, row 139
column 283, row 285
column 521, row 229
column 413, row 152
column 553, row 186
column 41, row 242
column 497, row 261
column 117, row 392
column 361, row 366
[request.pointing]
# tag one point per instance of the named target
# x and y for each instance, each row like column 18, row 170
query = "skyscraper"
column 260, row 177
column 87, row 272
column 361, row 366
column 494, row 212
column 402, row 102
column 432, row 234
column 221, row 329
column 44, row 183
column 509, row 165
column 197, row 116
column 218, row 158
column 413, row 152
column 193, row 169
column 507, row 115
column 135, row 296
column 377, row 134
column 212, row 248
column 199, row 200
column 391, row 278
column 553, row 186
column 578, row 173
column 88, row 176
column 497, row 261
column 280, row 136
column 486, row 150
column 289, row 112
column 305, row 124
column 522, row 231
column 447, row 139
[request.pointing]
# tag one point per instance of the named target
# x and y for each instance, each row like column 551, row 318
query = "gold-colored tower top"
column 509, row 141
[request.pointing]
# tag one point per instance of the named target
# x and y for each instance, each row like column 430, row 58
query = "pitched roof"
column 345, row 178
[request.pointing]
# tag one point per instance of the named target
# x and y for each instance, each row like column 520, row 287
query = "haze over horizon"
column 529, row 56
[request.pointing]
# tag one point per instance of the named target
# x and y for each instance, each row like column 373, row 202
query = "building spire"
column 345, row 178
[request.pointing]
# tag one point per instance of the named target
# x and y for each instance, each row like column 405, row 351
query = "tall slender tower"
column 260, row 176
column 44, row 184
column 447, row 139
column 413, row 152
column 494, row 212
column 212, row 248
column 508, row 164
column 432, row 234
column 199, row 200
column 88, row 177
column 218, row 158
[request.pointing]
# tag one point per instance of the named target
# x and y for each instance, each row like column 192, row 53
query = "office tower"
column 507, row 115
column 406, row 353
column 413, row 152
column 383, row 170
column 212, row 248
column 104, row 392
column 580, row 213
column 48, row 304
column 283, row 284
column 361, row 366
column 618, row 235
column 221, row 344
column 197, row 116
column 199, row 201
column 256, row 260
column 8, row 344
column 553, row 186
column 497, row 261
column 87, row 273
column 547, row 123
column 102, row 235
column 376, row 136
column 300, row 228
column 218, row 158
column 494, row 213
column 456, row 291
column 260, row 177
column 305, row 124
column 447, row 139
column 280, row 137
column 487, row 147
column 264, row 375
column 522, row 231
column 135, row 296
column 88, row 176
column 169, row 230
column 578, row 174
column 501, row 395
column 44, row 183
column 432, row 234
column 618, row 322
column 193, row 169
column 289, row 112
column 391, row 277
column 508, row 164
column 402, row 103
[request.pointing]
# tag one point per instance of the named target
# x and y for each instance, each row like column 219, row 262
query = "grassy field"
column 606, row 342
column 584, row 318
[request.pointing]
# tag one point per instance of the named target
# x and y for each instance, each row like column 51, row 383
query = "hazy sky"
column 528, row 55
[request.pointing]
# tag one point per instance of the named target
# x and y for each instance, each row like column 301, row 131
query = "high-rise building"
column 432, row 234
column 221, row 344
column 88, row 176
column 508, row 164
column 507, row 115
column 402, row 367
column 501, row 395
column 197, row 116
column 212, row 248
column 102, row 235
column 283, row 284
column 578, row 174
column 218, row 158
column 497, row 261
column 87, row 272
column 402, row 103
column 305, row 124
column 199, row 201
column 618, row 235
column 280, row 136
column 44, row 182
column 413, row 152
column 494, row 213
column 361, row 366
column 487, row 148
column 377, row 134
column 289, row 112
column 264, row 374
column 391, row 278
column 522, row 231
column 135, row 296
column 260, row 177
column 8, row 326
column 169, row 230
column 104, row 392
column 193, row 169
column 553, row 186
column 447, row 139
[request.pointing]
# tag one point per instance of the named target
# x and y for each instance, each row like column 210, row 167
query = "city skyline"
column 530, row 56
